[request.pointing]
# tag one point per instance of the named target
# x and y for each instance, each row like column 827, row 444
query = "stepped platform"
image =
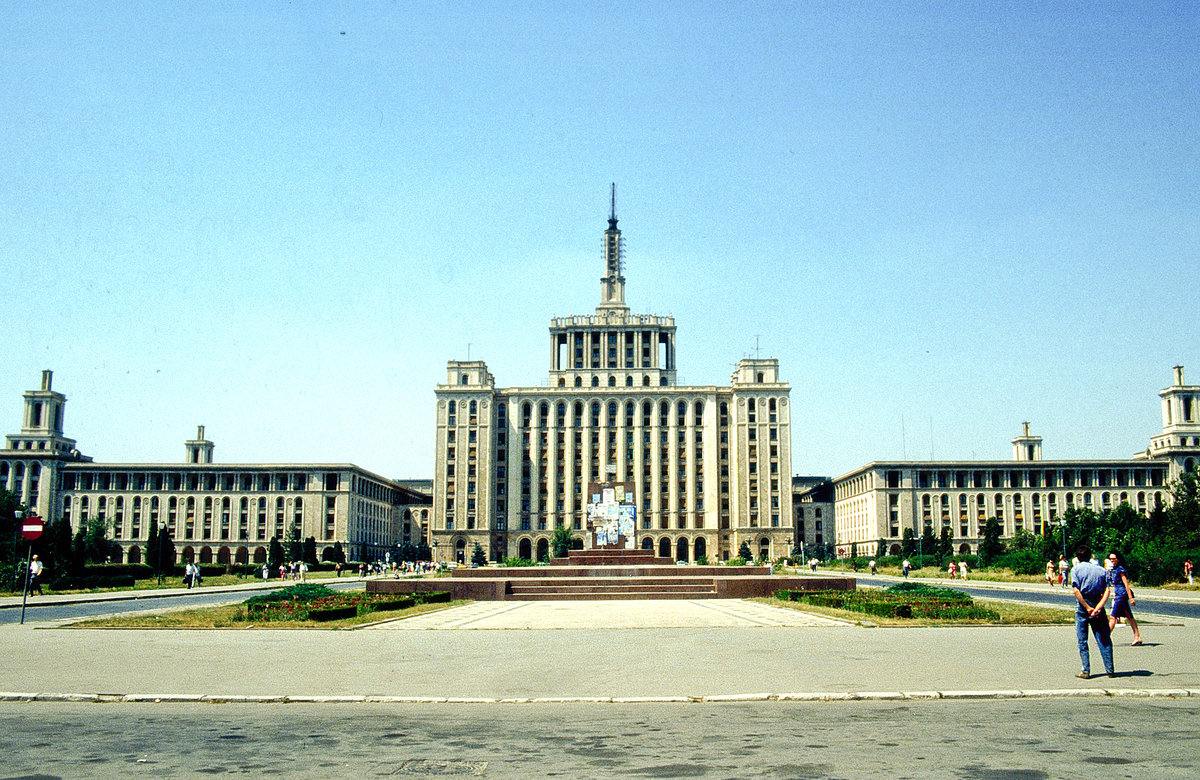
column 610, row 574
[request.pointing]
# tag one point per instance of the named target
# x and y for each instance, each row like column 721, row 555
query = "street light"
column 1062, row 524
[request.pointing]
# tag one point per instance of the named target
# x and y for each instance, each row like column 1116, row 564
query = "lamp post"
column 435, row 558
column 1062, row 524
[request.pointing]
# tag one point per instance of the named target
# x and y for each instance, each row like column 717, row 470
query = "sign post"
column 31, row 529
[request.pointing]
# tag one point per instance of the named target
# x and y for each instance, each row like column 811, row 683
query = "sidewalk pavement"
column 684, row 663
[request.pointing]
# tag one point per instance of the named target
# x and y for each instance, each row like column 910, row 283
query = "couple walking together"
column 1092, row 586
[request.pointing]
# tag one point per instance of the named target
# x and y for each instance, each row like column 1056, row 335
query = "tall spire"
column 612, row 284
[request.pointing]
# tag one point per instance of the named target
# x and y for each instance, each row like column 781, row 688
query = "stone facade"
column 217, row 513
column 881, row 499
column 711, row 465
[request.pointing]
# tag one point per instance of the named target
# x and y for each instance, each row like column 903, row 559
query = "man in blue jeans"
column 1090, row 585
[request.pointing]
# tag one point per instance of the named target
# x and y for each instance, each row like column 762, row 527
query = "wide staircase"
column 610, row 574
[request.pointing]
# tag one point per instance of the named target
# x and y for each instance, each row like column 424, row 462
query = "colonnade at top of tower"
column 600, row 356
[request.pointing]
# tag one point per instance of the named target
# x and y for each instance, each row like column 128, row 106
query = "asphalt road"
column 197, row 597
column 995, row 740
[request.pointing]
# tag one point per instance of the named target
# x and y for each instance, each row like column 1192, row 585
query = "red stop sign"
column 32, row 527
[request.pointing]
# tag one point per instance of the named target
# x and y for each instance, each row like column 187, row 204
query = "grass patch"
column 300, row 606
column 918, row 604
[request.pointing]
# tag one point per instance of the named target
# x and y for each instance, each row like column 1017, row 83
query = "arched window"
column 595, row 381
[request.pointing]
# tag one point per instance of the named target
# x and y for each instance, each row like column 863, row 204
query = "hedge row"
column 905, row 605
column 318, row 603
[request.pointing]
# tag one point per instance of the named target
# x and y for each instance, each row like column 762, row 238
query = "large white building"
column 711, row 465
column 216, row 512
column 878, row 501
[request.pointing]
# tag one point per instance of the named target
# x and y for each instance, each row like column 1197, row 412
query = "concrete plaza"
column 701, row 650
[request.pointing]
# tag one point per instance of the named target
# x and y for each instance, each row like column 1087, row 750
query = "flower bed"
column 318, row 603
column 908, row 602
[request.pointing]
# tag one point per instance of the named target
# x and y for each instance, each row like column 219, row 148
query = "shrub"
column 135, row 571
column 87, row 583
column 332, row 613
column 304, row 592
column 517, row 562
column 1023, row 562
column 393, row 604
column 907, row 600
column 921, row 590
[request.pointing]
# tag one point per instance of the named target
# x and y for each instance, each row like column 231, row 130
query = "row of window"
column 164, row 481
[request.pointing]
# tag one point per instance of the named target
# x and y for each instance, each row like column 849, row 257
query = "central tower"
column 612, row 284
column 612, row 348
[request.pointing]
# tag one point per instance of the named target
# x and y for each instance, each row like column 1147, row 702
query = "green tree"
column 1024, row 542
column 152, row 548
column 478, row 557
column 881, row 548
column 275, row 553
column 10, row 504
column 295, row 547
column 1182, row 526
column 990, row 546
column 560, row 543
column 91, row 543
column 166, row 549
column 928, row 544
column 338, row 555
column 310, row 550
column 908, row 543
column 744, row 552
column 945, row 544
column 57, row 551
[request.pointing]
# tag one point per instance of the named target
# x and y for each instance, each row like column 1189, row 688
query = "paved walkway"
column 610, row 615
column 683, row 652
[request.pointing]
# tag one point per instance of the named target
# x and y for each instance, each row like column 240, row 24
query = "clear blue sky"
column 281, row 219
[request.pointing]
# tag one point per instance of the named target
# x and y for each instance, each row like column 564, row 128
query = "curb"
column 816, row 696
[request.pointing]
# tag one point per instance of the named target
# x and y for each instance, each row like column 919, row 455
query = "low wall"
column 481, row 589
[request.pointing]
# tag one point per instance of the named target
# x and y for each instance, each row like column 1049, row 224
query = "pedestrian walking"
column 905, row 567
column 1090, row 586
column 952, row 569
column 872, row 565
column 1187, row 571
column 1064, row 570
column 962, row 570
column 1123, row 601
column 1050, row 573
column 34, row 580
